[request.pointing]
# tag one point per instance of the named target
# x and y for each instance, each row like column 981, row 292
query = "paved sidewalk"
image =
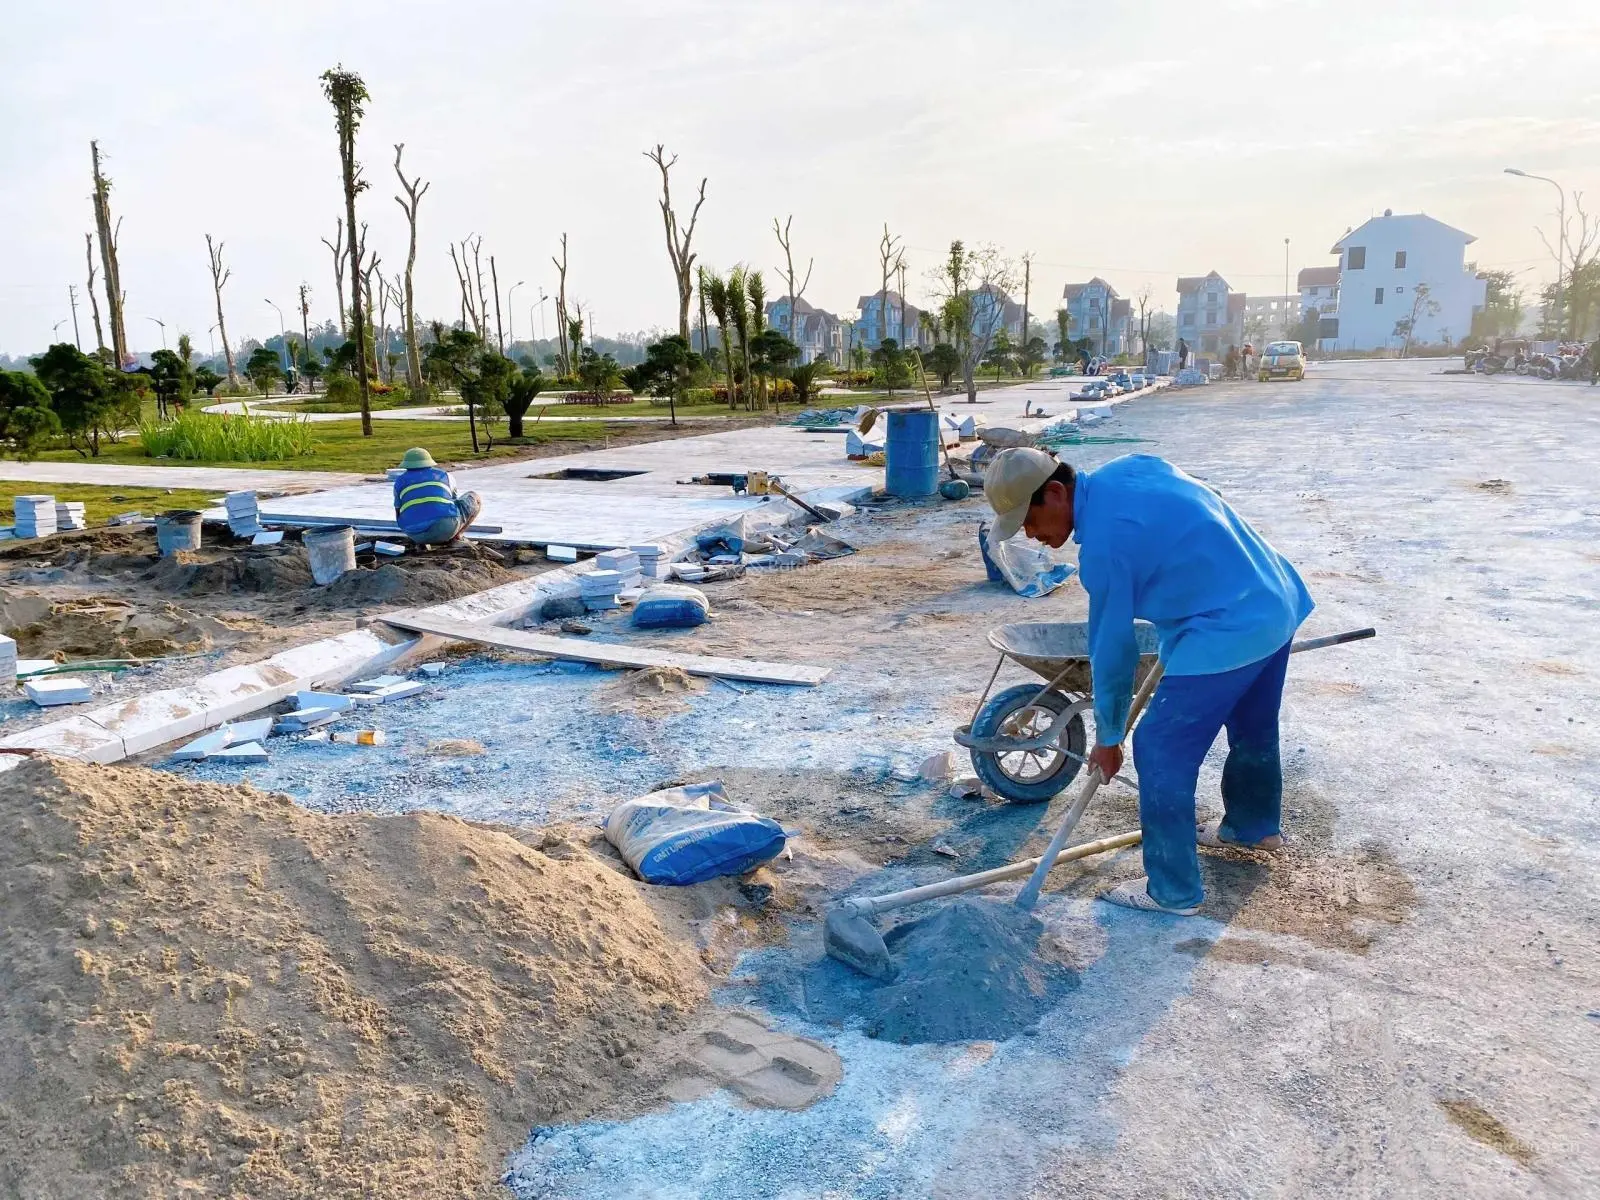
column 223, row 479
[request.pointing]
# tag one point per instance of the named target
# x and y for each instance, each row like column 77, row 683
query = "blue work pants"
column 1169, row 744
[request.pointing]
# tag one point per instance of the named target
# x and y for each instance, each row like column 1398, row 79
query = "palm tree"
column 756, row 288
column 739, row 315
column 714, row 291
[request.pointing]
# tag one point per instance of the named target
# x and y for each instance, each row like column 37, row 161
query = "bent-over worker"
column 426, row 505
column 1159, row 545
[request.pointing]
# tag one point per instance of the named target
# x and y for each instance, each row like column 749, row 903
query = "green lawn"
column 100, row 504
column 340, row 446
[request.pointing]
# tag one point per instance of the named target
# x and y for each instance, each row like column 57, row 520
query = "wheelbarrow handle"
column 1333, row 639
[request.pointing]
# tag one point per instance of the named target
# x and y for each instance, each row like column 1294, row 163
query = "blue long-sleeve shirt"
column 1161, row 546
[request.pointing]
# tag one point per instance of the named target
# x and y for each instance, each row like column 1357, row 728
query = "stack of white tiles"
column 35, row 516
column 69, row 516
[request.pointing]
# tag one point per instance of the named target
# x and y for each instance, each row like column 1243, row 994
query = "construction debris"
column 69, row 516
column 244, row 515
column 8, row 662
column 690, row 834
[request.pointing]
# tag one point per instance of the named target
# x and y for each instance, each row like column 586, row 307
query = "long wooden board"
column 611, row 654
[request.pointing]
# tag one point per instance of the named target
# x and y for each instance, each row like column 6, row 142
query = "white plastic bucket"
column 331, row 551
column 177, row 530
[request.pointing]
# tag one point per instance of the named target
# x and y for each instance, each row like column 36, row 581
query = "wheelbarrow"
column 1029, row 742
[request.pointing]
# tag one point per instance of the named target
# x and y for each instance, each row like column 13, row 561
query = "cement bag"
column 1029, row 568
column 690, row 834
column 671, row 606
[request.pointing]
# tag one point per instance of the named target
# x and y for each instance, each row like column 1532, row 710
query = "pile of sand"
column 105, row 628
column 208, row 991
column 652, row 692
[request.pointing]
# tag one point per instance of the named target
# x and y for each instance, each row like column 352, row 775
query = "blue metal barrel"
column 912, row 454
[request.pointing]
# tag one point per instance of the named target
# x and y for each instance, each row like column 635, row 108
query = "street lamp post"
column 512, row 312
column 163, row 325
column 1286, row 329
column 543, row 300
column 210, row 334
column 55, row 329
column 283, row 338
column 1561, row 238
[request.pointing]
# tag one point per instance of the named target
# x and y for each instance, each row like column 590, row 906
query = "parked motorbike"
column 1491, row 363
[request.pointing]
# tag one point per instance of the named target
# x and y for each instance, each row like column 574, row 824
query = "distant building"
column 1096, row 312
column 818, row 333
column 993, row 311
column 887, row 315
column 1381, row 264
column 1319, row 289
column 1267, row 318
column 1210, row 313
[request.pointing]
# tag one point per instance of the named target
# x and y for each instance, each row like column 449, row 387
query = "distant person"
column 426, row 505
column 1230, row 363
column 1246, row 356
column 1183, row 354
column 1083, row 361
column 1594, row 361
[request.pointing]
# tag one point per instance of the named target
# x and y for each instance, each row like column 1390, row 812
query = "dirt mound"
column 212, row 992
column 424, row 579
column 104, row 628
column 977, row 970
column 652, row 692
column 245, row 571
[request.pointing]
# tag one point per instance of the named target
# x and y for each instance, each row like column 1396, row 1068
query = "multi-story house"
column 1210, row 314
column 887, row 315
column 1095, row 311
column 1319, row 289
column 816, row 331
column 1267, row 318
column 994, row 311
column 1383, row 262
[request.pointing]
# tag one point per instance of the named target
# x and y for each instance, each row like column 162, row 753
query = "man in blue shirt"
column 426, row 506
column 1158, row 545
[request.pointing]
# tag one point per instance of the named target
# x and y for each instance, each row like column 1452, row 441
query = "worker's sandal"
column 1210, row 834
column 1136, row 894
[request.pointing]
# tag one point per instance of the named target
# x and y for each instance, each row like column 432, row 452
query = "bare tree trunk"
column 890, row 259
column 469, row 309
column 561, row 306
column 337, row 246
column 305, row 331
column 219, row 276
column 94, row 305
column 347, row 157
column 704, row 332
column 788, row 258
column 1027, row 282
column 108, row 259
column 414, row 194
column 380, row 348
column 483, row 299
column 499, row 330
column 678, row 244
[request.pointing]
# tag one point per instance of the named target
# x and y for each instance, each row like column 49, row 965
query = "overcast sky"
column 1135, row 140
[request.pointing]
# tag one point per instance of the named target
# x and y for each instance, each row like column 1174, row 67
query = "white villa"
column 1381, row 264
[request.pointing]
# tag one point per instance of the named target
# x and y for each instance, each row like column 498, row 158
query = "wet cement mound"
column 972, row 970
column 976, row 970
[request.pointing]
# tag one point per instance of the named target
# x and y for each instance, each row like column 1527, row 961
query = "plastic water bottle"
column 360, row 737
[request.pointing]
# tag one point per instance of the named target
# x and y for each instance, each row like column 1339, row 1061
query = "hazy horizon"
column 1138, row 143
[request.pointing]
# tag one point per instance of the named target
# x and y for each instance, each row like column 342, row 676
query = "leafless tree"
column 305, row 326
column 1143, row 298
column 561, row 306
column 469, row 304
column 499, row 329
column 782, row 234
column 415, row 189
column 337, row 246
column 1027, row 286
column 219, row 276
column 94, row 305
column 678, row 240
column 891, row 258
column 108, row 258
column 972, row 286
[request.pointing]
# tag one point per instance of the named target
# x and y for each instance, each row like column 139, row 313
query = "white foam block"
column 249, row 752
column 249, row 731
column 307, row 700
column 377, row 683
column 204, row 746
column 433, row 670
column 52, row 690
column 265, row 538
column 568, row 554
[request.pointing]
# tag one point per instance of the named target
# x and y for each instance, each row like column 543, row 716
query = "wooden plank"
column 612, row 654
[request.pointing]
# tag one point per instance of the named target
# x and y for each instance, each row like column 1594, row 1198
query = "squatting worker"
column 426, row 505
column 1159, row 545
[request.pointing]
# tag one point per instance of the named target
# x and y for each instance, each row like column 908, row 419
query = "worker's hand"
column 1108, row 759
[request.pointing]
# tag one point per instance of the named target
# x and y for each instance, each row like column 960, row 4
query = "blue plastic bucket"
column 177, row 530
column 912, row 454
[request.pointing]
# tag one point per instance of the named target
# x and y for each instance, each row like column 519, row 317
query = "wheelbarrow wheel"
column 1029, row 776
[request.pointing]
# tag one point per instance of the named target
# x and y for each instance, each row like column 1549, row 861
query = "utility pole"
column 72, row 298
column 1286, row 287
column 1027, row 284
column 305, row 320
column 511, row 309
column 499, row 330
column 163, row 325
